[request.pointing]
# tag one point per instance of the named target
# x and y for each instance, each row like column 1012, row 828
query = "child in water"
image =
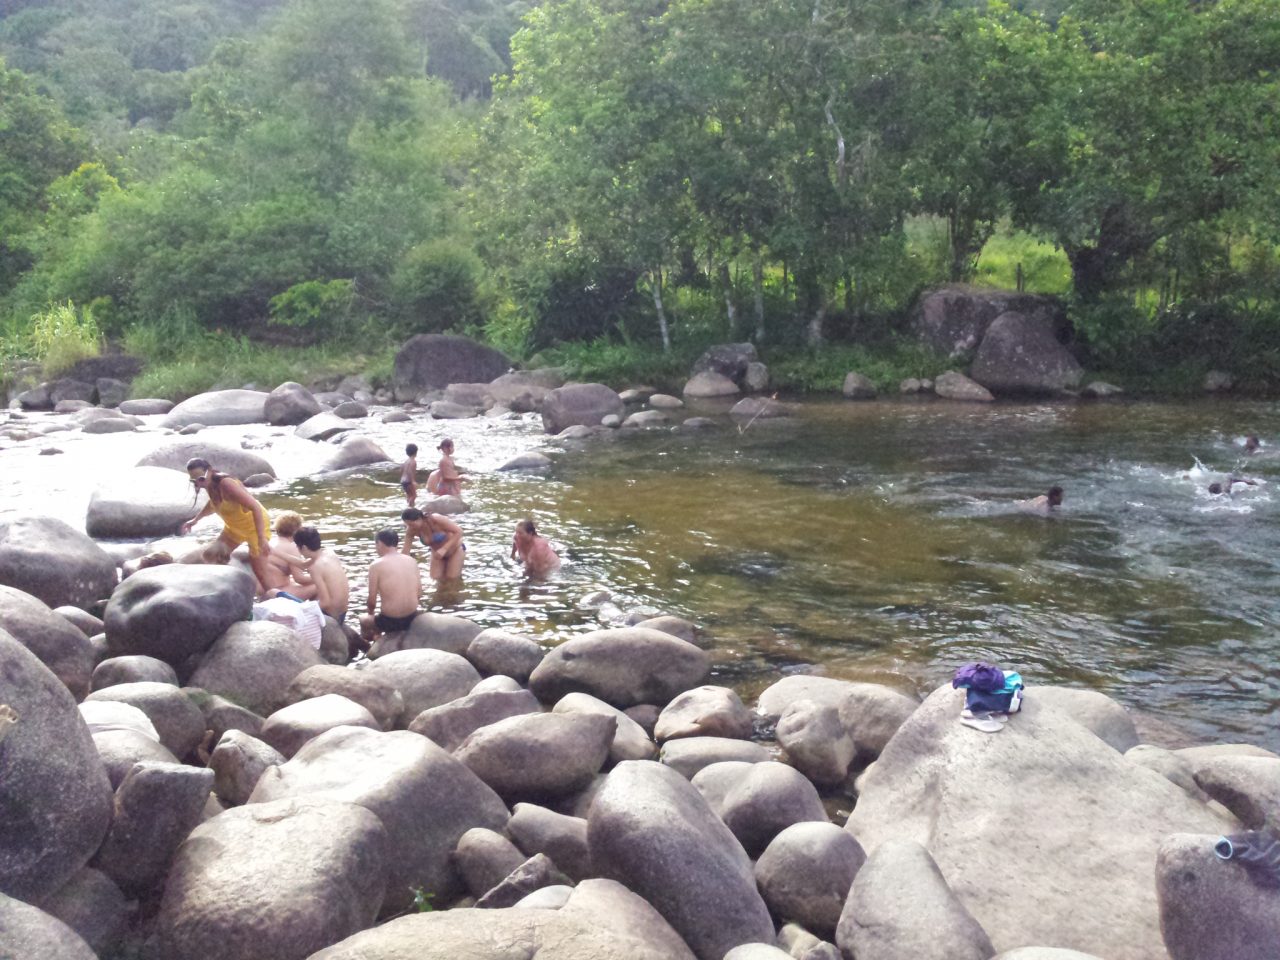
column 409, row 474
column 447, row 478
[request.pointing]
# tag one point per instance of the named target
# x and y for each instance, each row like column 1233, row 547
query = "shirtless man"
column 284, row 557
column 326, row 572
column 393, row 579
column 1044, row 504
column 442, row 536
column 534, row 550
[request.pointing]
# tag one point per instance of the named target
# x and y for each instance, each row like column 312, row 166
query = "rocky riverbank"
column 181, row 783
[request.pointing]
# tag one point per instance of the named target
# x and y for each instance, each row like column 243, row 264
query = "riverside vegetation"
column 267, row 191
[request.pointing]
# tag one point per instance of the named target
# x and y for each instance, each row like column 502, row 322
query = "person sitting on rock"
column 285, row 557
column 244, row 520
column 441, row 536
column 1044, row 504
column 395, row 583
column 533, row 550
column 326, row 572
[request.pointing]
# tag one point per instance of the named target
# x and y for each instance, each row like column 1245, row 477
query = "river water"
column 869, row 541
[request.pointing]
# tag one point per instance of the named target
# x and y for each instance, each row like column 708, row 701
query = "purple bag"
column 979, row 677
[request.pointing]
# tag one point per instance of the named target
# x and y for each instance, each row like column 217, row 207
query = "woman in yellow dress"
column 244, row 520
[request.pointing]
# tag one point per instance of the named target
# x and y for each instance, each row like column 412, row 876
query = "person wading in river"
column 441, row 536
column 533, row 550
column 448, row 481
column 244, row 520
column 393, row 579
column 1044, row 504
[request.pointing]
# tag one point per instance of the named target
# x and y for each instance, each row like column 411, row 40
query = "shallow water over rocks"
column 867, row 541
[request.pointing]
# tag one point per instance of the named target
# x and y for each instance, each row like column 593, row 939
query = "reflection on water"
column 869, row 540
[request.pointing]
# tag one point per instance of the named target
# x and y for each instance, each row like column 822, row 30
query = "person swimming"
column 1044, row 504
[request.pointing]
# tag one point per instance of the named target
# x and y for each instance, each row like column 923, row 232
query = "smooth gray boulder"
column 495, row 651
column 805, row 875
column 177, row 720
column 156, row 807
column 145, row 406
column 1213, row 909
column 221, row 715
column 91, row 905
column 82, row 620
column 715, row 780
column 858, row 387
column 374, row 693
column 28, row 933
column 238, row 763
column 1019, row 355
column 900, row 908
column 141, row 502
column 622, row 667
column 1054, row 774
column 54, row 790
column 651, row 830
column 218, row 408
column 1247, row 786
column 686, row 630
column 424, row 797
column 770, row 797
column 1169, row 765
column 708, row 383
column 253, row 663
column 1044, row 953
column 757, row 951
column 432, row 361
column 630, row 742
column 56, row 564
column 292, row 727
column 175, row 611
column 601, row 920
column 131, row 669
column 104, row 715
column 61, row 647
column 539, row 756
column 730, row 360
column 426, row 678
column 430, row 631
column 869, row 712
column 351, row 410
column 690, row 754
column 233, row 461
column 355, row 451
column 953, row 319
column 954, row 385
column 527, row 461
column 521, row 391
column 484, row 858
column 449, row 724
column 706, row 711
column 816, row 742
column 532, row 875
column 446, row 410
column 121, row 750
column 563, row 838
column 1109, row 721
column 289, row 404
column 579, row 405
column 322, row 426
column 273, row 881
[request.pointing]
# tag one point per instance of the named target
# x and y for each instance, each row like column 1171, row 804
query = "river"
column 869, row 541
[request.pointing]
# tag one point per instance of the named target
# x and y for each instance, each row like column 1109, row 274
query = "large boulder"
column 290, row 728
column 424, row 797
column 539, row 756
column 175, row 611
column 765, row 800
column 485, row 858
column 729, row 360
column 54, row 792
column 92, row 906
column 58, row 645
column 1212, row 909
column 1040, row 784
column 425, row 678
column 579, row 404
column 322, row 426
column 375, row 694
column 141, row 502
column 233, row 461
column 708, row 383
column 651, row 830
column 706, row 711
column 28, row 933
column 253, row 663
column 601, row 920
column 816, row 742
column 219, row 408
column 954, row 385
column 900, row 908
column 289, row 404
column 177, row 720
column 630, row 742
column 1019, row 355
column 952, row 320
column 1109, row 721
column 273, row 881
column 520, row 391
column 355, row 452
column 563, row 838
column 688, row 755
column 805, row 874
column 870, row 713
column 121, row 750
column 1247, row 786
column 449, row 724
column 50, row 560
column 623, row 667
column 497, row 652
column 145, row 406
column 432, row 361
column 238, row 763
column 430, row 631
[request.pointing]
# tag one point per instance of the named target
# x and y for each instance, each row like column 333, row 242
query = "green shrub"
column 435, row 287
column 315, row 305
column 886, row 365
column 62, row 336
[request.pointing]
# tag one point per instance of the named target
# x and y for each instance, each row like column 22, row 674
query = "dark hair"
column 446, row 442
column 388, row 536
column 411, row 449
column 528, row 527
column 308, row 537
column 215, row 478
column 1055, row 495
column 413, row 513
column 1215, row 488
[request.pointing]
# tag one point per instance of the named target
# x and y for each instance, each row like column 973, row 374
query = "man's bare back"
column 333, row 588
column 395, row 582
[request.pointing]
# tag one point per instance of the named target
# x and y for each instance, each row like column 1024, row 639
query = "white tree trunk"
column 757, row 276
column 815, row 324
column 655, row 279
column 730, row 306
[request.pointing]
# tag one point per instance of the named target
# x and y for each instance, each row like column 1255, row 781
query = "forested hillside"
column 202, row 179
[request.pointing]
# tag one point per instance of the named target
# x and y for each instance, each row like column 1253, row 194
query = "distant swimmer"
column 409, row 474
column 1043, row 504
column 1228, row 486
column 533, row 550
column 1252, row 444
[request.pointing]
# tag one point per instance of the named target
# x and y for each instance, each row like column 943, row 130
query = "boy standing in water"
column 409, row 474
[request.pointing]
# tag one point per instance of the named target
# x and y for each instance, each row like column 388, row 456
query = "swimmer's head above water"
column 1054, row 496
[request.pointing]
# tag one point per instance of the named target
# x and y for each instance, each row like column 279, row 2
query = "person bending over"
column 441, row 536
column 325, row 571
column 533, row 550
column 244, row 520
column 394, row 582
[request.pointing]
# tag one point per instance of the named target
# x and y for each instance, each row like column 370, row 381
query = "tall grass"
column 62, row 336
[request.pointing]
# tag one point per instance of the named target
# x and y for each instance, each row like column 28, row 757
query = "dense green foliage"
column 206, row 178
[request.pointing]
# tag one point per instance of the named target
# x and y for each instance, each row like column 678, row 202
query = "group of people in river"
column 292, row 562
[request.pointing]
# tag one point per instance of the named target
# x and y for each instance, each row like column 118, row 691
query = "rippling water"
column 867, row 540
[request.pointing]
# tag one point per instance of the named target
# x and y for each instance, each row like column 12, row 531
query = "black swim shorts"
column 393, row 624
